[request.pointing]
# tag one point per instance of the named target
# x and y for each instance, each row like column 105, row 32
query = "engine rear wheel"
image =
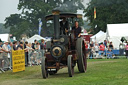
column 81, row 54
column 70, row 66
column 43, row 68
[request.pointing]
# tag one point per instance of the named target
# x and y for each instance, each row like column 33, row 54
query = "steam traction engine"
column 63, row 50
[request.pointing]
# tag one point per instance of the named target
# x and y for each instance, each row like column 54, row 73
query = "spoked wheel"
column 43, row 68
column 70, row 66
column 81, row 54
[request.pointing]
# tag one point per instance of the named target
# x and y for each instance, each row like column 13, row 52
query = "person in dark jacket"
column 64, row 26
column 42, row 47
column 20, row 46
column 77, row 30
column 14, row 45
column 34, row 45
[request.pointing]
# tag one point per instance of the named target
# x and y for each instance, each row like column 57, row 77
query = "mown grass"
column 99, row 72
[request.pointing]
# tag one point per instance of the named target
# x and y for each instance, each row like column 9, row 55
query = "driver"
column 77, row 30
column 64, row 26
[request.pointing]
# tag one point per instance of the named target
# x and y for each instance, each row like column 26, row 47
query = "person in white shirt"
column 96, row 48
column 6, row 50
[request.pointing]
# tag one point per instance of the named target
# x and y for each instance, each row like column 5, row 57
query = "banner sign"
column 40, row 24
column 18, row 59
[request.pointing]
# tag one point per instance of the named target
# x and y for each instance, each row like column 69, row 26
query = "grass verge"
column 99, row 72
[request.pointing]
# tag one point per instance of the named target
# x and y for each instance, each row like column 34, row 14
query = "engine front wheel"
column 70, row 66
column 43, row 68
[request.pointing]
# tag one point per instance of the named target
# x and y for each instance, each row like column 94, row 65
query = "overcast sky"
column 8, row 7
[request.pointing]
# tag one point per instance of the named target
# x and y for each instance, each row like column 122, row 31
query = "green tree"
column 107, row 12
column 27, row 21
column 17, row 25
column 3, row 30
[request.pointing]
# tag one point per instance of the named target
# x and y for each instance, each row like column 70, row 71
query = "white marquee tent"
column 4, row 37
column 97, row 37
column 35, row 37
column 101, row 38
column 114, row 33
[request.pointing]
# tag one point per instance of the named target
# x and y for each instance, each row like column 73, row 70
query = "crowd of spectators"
column 33, row 52
column 97, row 50
column 105, row 49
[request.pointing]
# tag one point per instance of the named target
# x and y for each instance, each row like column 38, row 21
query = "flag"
column 40, row 24
column 94, row 12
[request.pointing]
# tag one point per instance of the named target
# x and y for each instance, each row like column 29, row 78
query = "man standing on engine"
column 77, row 30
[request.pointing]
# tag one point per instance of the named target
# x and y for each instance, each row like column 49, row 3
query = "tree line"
column 3, row 30
column 27, row 22
column 107, row 12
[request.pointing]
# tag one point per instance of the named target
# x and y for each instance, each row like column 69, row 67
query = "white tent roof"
column 35, row 37
column 115, row 32
column 102, row 38
column 4, row 37
column 97, row 36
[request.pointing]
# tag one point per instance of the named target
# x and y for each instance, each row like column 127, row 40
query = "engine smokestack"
column 56, row 23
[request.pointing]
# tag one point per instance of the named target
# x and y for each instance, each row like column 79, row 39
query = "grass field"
column 99, row 72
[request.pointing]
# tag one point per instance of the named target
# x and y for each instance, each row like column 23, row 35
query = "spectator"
column 42, row 47
column 86, row 45
column 26, row 53
column 10, row 46
column 10, row 54
column 111, row 46
column 20, row 46
column 108, row 43
column 1, row 56
column 105, row 43
column 121, row 49
column 38, row 46
column 34, row 46
column 5, row 50
column 96, row 48
column 92, row 49
column 87, row 48
column 30, row 49
column 15, row 45
column 109, row 53
column 1, row 43
column 101, row 48
column 39, row 56
column 126, row 50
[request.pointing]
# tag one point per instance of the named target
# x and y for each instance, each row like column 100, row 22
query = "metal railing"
column 5, row 62
column 32, row 57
